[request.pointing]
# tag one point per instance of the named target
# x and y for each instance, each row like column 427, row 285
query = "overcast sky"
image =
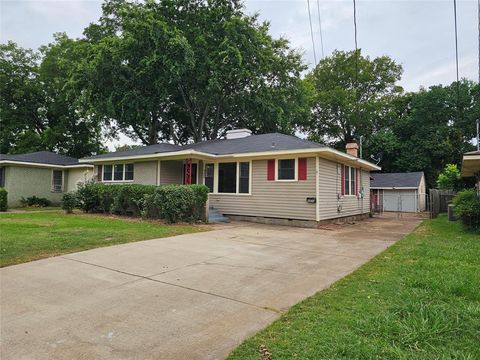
column 417, row 34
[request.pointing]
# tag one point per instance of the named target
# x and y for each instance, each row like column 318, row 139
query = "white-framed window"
column 57, row 180
column 229, row 177
column 349, row 179
column 209, row 176
column 286, row 169
column 118, row 172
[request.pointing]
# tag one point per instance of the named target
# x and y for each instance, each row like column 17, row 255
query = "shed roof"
column 396, row 180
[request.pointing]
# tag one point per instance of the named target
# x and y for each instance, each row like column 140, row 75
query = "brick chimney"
column 352, row 149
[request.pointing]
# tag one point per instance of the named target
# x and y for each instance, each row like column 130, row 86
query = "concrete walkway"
column 193, row 296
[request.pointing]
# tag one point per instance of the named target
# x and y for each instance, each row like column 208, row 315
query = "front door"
column 194, row 173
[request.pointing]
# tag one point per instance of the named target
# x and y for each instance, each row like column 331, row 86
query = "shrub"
column 69, row 201
column 130, row 198
column 200, row 200
column 35, row 201
column 467, row 207
column 3, row 199
column 450, row 178
column 88, row 196
column 177, row 202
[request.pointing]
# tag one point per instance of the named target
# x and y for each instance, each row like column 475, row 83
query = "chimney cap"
column 238, row 133
column 352, row 145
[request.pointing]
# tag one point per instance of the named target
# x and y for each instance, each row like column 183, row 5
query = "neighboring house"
column 471, row 166
column 253, row 177
column 404, row 192
column 42, row 174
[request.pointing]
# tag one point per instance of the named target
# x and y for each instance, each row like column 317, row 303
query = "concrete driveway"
column 192, row 296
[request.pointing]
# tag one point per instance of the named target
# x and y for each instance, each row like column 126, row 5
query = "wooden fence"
column 439, row 200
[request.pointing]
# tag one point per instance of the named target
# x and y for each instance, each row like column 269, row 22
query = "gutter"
column 25, row 163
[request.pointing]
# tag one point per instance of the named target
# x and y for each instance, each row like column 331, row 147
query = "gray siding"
column 171, row 172
column 330, row 188
column 277, row 199
column 29, row 181
column 145, row 173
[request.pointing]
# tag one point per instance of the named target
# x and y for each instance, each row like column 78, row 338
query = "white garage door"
column 399, row 200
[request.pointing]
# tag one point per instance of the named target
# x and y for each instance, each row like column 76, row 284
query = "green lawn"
column 35, row 235
column 420, row 299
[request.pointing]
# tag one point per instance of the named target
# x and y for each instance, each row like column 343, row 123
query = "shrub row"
column 170, row 202
column 467, row 207
column 3, row 199
column 35, row 201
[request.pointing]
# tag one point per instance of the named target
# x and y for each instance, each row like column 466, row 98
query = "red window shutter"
column 342, row 167
column 302, row 169
column 99, row 173
column 356, row 181
column 271, row 170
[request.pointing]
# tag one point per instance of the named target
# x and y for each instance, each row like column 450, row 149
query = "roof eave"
column 28, row 163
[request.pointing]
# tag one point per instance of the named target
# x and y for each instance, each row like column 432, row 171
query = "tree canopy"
column 190, row 70
column 37, row 108
column 353, row 96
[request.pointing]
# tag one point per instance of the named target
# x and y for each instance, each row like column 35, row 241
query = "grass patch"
column 35, row 235
column 420, row 299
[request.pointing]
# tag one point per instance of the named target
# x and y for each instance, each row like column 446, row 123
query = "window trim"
column 52, row 188
column 277, row 168
column 345, row 167
column 215, row 178
column 113, row 173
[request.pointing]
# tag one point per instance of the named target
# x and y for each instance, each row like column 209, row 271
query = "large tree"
column 37, row 107
column 432, row 128
column 189, row 70
column 353, row 96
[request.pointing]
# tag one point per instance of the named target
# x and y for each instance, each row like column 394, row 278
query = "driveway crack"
column 266, row 308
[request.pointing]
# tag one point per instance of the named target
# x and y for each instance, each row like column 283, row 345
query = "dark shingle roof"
column 41, row 157
column 253, row 143
column 143, row 150
column 397, row 180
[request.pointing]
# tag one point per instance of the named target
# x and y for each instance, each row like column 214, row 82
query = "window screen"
column 107, row 173
column 118, row 172
column 243, row 186
column 286, row 169
column 352, row 181
column 129, row 171
column 227, row 177
column 57, row 181
column 2, row 177
column 347, row 180
column 209, row 176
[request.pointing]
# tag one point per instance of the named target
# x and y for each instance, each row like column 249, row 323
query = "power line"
column 320, row 27
column 456, row 53
column 355, row 23
column 311, row 33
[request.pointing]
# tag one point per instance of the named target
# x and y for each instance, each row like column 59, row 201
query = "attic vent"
column 238, row 133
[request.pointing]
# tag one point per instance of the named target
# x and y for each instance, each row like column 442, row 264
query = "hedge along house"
column 401, row 192
column 267, row 178
column 42, row 174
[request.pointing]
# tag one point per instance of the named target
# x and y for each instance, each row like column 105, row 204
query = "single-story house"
column 268, row 178
column 471, row 166
column 403, row 192
column 42, row 174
